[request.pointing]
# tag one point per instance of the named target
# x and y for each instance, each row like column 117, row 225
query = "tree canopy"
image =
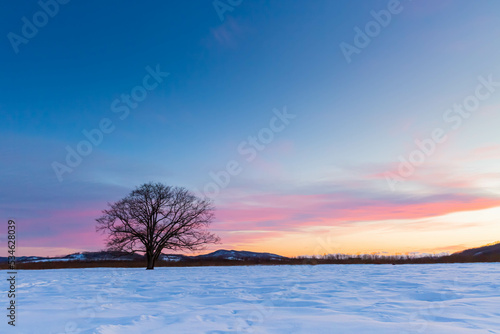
column 154, row 217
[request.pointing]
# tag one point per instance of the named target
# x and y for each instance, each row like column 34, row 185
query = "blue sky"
column 225, row 79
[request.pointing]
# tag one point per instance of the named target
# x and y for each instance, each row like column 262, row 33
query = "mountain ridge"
column 233, row 256
column 221, row 254
column 490, row 249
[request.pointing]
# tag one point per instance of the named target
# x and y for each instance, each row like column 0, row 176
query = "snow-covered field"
column 448, row 298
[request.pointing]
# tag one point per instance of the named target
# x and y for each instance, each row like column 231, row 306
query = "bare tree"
column 154, row 217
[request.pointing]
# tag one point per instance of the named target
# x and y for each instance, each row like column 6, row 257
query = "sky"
column 315, row 127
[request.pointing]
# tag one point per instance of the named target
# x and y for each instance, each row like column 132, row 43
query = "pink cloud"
column 295, row 211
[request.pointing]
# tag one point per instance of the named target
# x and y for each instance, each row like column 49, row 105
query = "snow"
column 78, row 256
column 48, row 260
column 173, row 258
column 438, row 298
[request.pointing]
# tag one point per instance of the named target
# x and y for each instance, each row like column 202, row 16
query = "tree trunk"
column 151, row 262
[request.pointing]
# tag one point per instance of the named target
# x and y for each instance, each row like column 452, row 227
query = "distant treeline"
column 398, row 259
column 318, row 260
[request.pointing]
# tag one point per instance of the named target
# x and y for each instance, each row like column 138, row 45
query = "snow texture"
column 436, row 298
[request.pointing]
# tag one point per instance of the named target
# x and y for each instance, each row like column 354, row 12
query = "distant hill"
column 488, row 253
column 487, row 250
column 83, row 256
column 239, row 255
column 221, row 254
